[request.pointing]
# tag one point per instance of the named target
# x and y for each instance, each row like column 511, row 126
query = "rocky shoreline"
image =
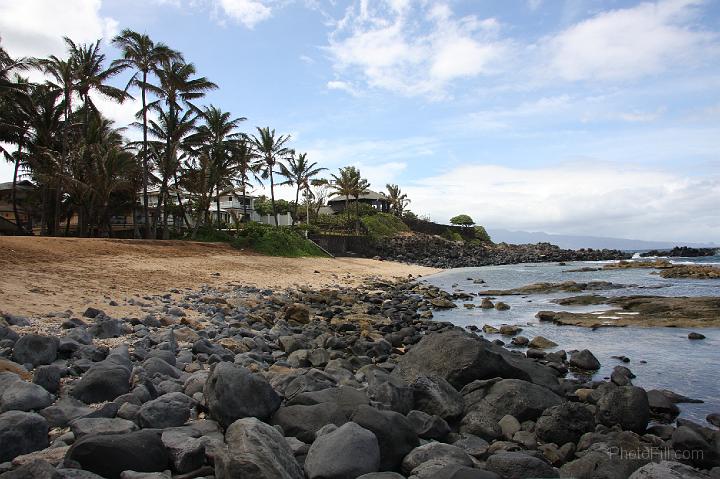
column 335, row 383
column 436, row 252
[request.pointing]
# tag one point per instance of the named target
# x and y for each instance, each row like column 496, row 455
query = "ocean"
column 669, row 359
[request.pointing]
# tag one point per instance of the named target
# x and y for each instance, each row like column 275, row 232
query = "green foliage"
column 482, row 235
column 462, row 220
column 263, row 206
column 383, row 224
column 334, row 223
column 275, row 241
column 452, row 235
column 212, row 235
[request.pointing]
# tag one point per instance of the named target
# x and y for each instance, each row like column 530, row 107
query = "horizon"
column 572, row 118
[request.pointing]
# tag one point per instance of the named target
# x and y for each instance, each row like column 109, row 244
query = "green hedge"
column 383, row 224
column 274, row 241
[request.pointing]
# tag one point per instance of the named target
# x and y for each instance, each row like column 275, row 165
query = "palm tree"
column 398, row 200
column 271, row 151
column 360, row 187
column 344, row 184
column 144, row 56
column 299, row 172
column 246, row 170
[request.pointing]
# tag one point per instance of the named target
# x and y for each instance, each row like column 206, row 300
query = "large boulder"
column 35, row 349
column 585, row 360
column 18, row 395
column 168, row 410
column 105, row 380
column 21, row 433
column 461, row 358
column 86, row 426
column 303, row 421
column 600, row 465
column 626, row 406
column 256, row 450
column 233, row 392
column 438, row 453
column 520, row 399
column 434, row 395
column 564, row 423
column 394, row 433
column 690, row 442
column 109, row 455
column 348, row 451
column 668, row 470
column 517, row 465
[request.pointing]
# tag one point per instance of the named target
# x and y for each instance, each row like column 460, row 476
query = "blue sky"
column 575, row 117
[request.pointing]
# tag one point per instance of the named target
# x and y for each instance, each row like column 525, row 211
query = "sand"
column 41, row 276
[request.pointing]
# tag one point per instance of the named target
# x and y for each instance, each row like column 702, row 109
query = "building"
column 24, row 191
column 378, row 201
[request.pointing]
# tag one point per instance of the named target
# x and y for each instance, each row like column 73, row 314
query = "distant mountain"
column 578, row 242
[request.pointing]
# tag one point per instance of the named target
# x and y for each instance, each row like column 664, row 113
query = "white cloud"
column 342, row 86
column 414, row 48
column 576, row 198
column 36, row 27
column 247, row 12
column 628, row 43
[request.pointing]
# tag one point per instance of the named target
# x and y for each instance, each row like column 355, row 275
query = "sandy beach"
column 41, row 275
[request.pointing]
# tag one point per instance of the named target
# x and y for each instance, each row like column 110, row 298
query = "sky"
column 566, row 116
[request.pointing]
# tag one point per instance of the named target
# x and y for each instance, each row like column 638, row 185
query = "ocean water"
column 671, row 360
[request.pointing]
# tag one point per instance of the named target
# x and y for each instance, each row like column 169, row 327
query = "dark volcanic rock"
column 565, row 422
column 303, row 421
column 233, row 392
column 348, row 451
column 584, row 360
column 626, row 406
column 35, row 349
column 434, row 395
column 168, row 410
column 516, row 465
column 21, row 433
column 105, row 380
column 394, row 433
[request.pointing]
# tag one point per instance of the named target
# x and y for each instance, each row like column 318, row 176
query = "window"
column 229, row 198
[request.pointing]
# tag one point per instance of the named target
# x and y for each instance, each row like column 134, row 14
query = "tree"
column 360, row 187
column 299, row 172
column 462, row 220
column 271, row 151
column 398, row 200
column 145, row 56
column 243, row 157
column 344, row 185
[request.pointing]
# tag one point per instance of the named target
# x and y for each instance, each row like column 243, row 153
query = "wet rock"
column 486, row 303
column 500, row 306
column 714, row 419
column 35, row 349
column 233, row 392
column 584, row 360
column 564, row 423
column 517, row 465
column 256, row 450
column 437, row 453
column 694, row 335
column 510, row 329
column 348, row 451
column 110, row 455
column 21, row 433
column 661, row 407
column 443, row 303
column 394, row 433
column 168, row 410
column 520, row 341
column 539, row 342
column 626, row 406
column 622, row 376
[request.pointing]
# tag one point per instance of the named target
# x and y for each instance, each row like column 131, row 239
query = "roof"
column 21, row 185
column 370, row 195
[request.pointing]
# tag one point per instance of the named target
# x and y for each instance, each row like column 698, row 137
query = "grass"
column 383, row 224
column 276, row 241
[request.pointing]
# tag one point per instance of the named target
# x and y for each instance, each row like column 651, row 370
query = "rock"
column 157, row 366
column 500, row 306
column 344, row 397
column 64, row 411
column 435, row 396
column 694, row 335
column 35, row 349
column 487, row 304
column 539, row 342
column 18, row 395
column 233, row 392
column 394, row 433
column 169, row 410
column 437, row 453
column 256, row 450
column 520, row 399
column 298, row 313
column 391, row 391
column 110, row 455
column 661, row 407
column 37, row 469
column 584, row 360
column 509, row 426
column 622, row 376
column 690, row 443
column 105, row 328
column 626, row 406
column 714, row 419
column 21, row 433
column 443, row 303
column 13, row 367
column 668, row 470
column 461, row 358
column 48, row 377
column 565, row 423
column 599, row 465
column 427, row 426
column 520, row 341
column 517, row 465
column 101, row 425
column 381, row 475
column 105, row 380
column 303, row 421
column 476, row 446
column 348, row 451
column 187, row 453
column 510, row 329
column 487, row 329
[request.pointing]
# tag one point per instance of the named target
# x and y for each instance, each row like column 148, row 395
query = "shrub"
column 275, row 241
column 383, row 224
column 452, row 235
column 482, row 235
column 462, row 220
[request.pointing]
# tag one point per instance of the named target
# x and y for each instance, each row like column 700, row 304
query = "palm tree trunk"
column 14, row 190
column 180, row 203
column 145, row 172
column 217, row 204
column 297, row 199
column 272, row 197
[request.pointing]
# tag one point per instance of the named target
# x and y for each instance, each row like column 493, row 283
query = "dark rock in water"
column 438, row 453
column 661, row 407
column 622, row 376
column 303, row 422
column 517, row 465
column 694, row 335
column 109, row 455
column 626, row 406
column 35, row 349
column 256, row 450
column 394, row 433
column 565, row 423
column 461, row 358
column 691, row 444
column 584, row 360
column 105, row 380
column 714, row 419
column 18, row 395
column 348, row 451
column 169, row 410
column 435, row 396
column 21, row 433
column 233, row 392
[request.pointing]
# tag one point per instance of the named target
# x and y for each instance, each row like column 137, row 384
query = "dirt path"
column 44, row 275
